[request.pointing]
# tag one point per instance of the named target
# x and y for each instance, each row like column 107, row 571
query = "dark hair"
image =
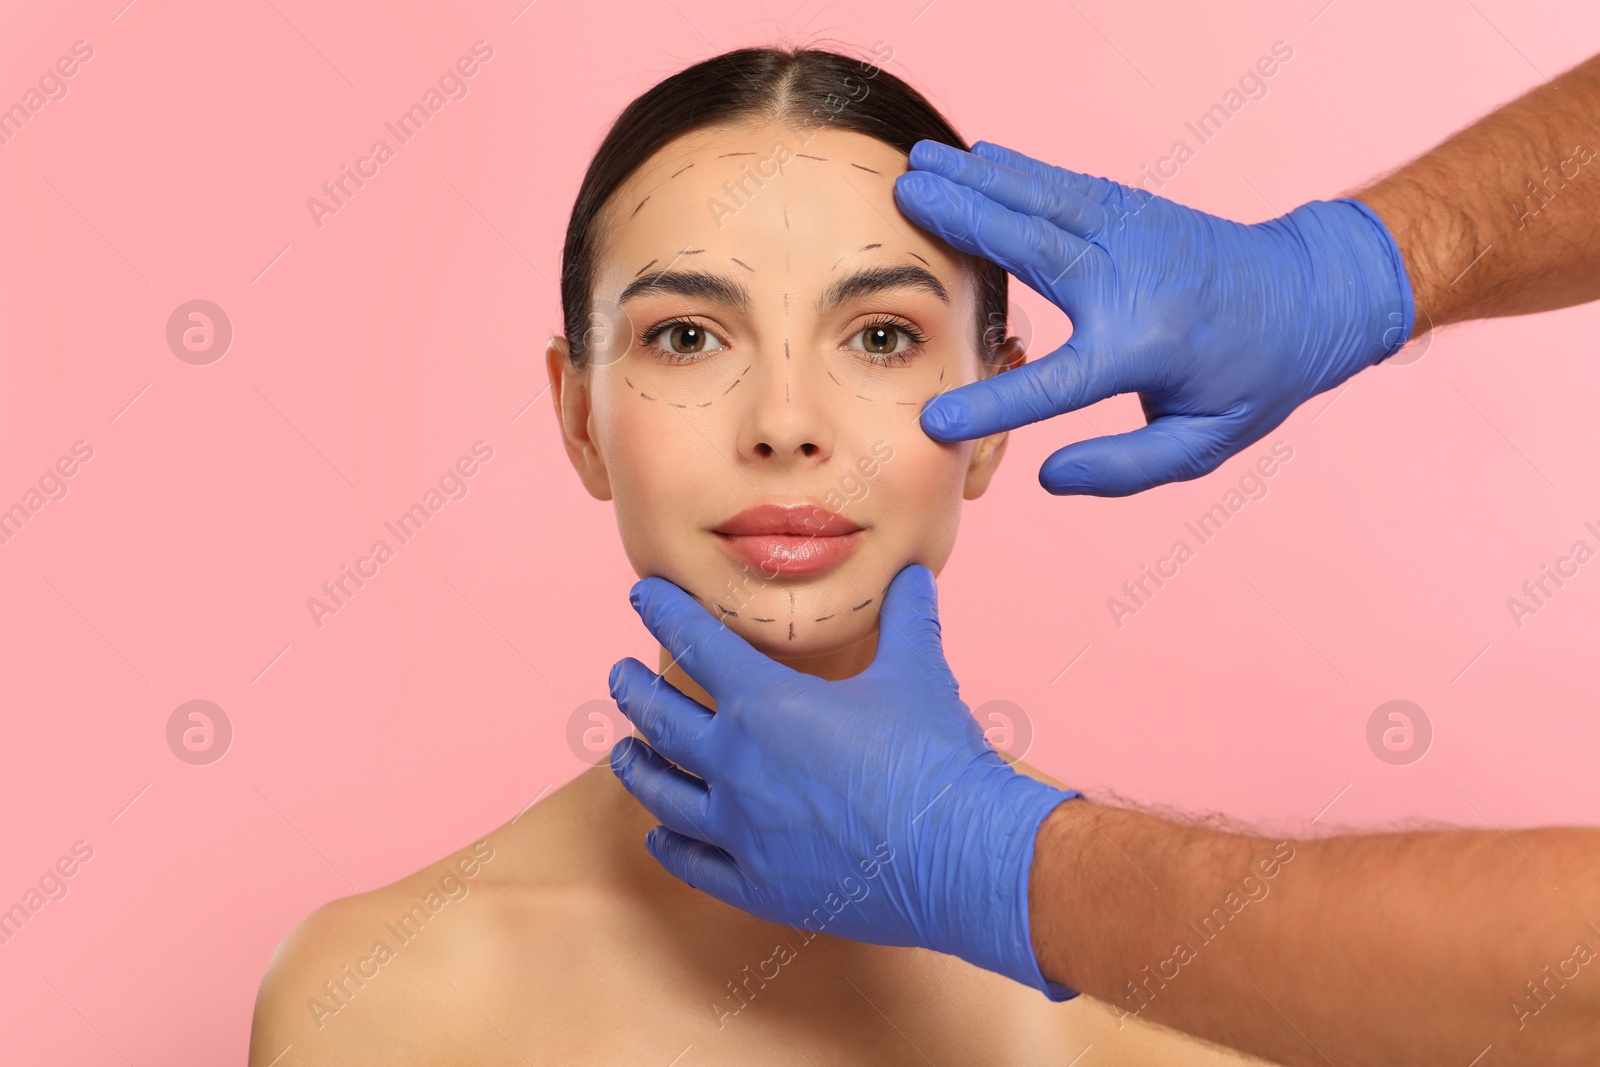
column 809, row 88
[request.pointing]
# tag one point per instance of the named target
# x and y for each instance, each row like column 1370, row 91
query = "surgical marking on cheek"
column 824, row 618
column 791, row 631
column 786, row 216
column 754, row 619
column 911, row 402
column 725, row 611
column 869, row 170
column 647, row 266
column 860, row 397
column 708, row 403
column 861, row 605
column 737, row 380
column 743, row 264
column 835, row 380
column 941, row 374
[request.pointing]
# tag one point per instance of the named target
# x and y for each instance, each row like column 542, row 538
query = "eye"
column 687, row 341
column 881, row 340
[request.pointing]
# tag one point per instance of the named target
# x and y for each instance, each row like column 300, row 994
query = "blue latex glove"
column 1222, row 329
column 871, row 808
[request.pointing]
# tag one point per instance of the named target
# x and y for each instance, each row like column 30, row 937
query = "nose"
column 787, row 418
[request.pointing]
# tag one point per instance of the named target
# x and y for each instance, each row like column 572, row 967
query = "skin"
column 1410, row 948
column 569, row 943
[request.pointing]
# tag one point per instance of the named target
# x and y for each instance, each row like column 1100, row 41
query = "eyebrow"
column 729, row 293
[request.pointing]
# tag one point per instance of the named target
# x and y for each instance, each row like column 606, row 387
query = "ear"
column 988, row 450
column 569, row 390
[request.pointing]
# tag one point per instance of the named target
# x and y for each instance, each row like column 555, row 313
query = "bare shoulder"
column 348, row 984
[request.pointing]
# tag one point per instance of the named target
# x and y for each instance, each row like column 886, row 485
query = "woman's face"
column 767, row 329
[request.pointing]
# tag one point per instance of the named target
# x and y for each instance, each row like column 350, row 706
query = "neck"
column 845, row 662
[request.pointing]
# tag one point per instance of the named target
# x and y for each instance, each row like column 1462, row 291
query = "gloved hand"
column 871, row 808
column 1223, row 329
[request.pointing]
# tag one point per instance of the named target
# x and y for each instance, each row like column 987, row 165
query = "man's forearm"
column 1500, row 219
column 1415, row 948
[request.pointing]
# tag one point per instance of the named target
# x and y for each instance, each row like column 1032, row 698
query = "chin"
column 798, row 616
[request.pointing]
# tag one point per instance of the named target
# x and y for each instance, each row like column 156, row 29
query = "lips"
column 790, row 539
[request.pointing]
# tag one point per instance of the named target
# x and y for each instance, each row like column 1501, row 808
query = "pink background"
column 370, row 353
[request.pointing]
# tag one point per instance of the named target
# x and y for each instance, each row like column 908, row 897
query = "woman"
column 752, row 328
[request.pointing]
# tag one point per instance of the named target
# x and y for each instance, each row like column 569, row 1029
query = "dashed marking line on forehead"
column 648, row 265
column 786, row 216
column 637, row 206
column 677, row 172
column 925, row 263
column 802, row 155
column 725, row 155
column 863, row 248
column 869, row 170
column 741, row 263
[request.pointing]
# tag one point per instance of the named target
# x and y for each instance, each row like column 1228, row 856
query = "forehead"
column 772, row 197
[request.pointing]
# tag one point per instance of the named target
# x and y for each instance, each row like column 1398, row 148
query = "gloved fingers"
column 1036, row 251
column 703, row 866
column 908, row 633
column 1174, row 448
column 1064, row 380
column 714, row 656
column 675, row 798
column 671, row 722
column 1088, row 185
column 1027, row 193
